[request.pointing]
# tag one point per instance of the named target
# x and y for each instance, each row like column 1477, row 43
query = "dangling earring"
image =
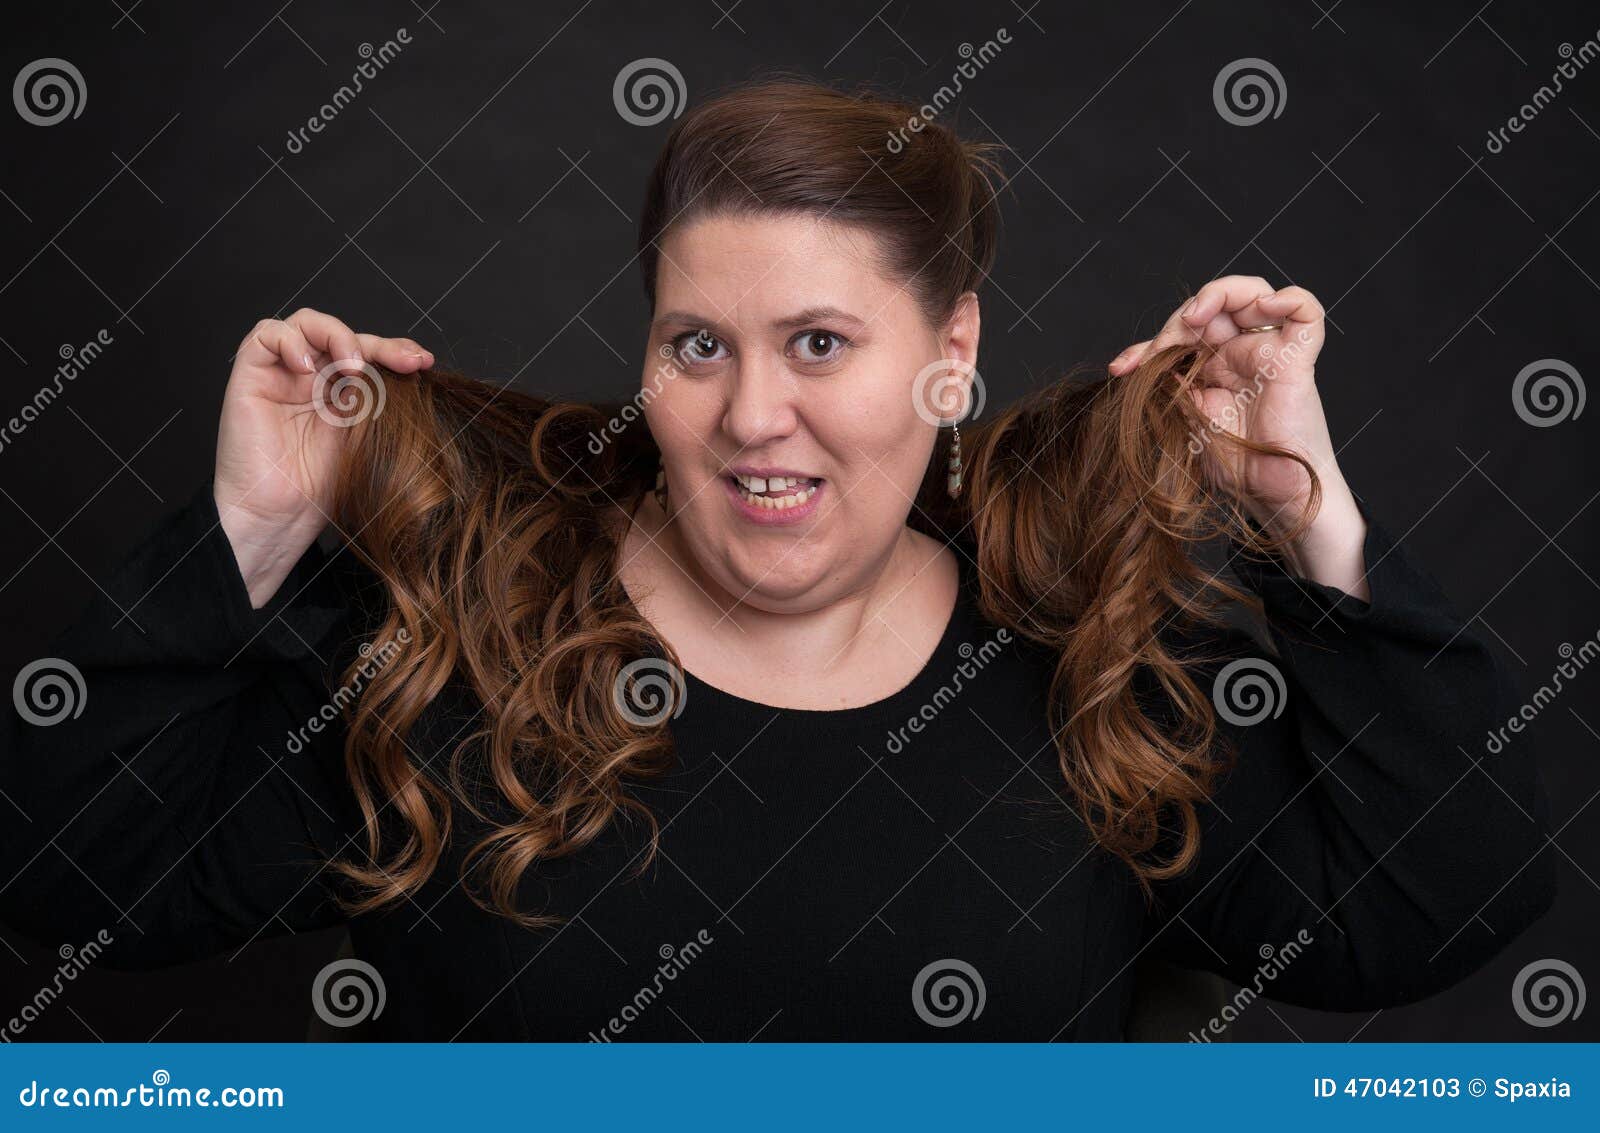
column 661, row 486
column 953, row 480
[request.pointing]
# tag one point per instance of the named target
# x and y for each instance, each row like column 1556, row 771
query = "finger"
column 328, row 335
column 399, row 354
column 1227, row 294
column 1294, row 305
column 1129, row 357
column 284, row 343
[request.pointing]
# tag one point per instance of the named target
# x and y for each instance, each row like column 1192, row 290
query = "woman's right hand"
column 279, row 439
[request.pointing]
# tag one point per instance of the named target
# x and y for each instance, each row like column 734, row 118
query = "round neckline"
column 893, row 708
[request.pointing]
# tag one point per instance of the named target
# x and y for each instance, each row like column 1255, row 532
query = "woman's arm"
column 1370, row 847
column 185, row 802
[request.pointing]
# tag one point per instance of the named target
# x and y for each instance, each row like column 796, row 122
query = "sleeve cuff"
column 186, row 583
column 1395, row 580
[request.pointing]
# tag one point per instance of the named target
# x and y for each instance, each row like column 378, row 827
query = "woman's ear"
column 960, row 333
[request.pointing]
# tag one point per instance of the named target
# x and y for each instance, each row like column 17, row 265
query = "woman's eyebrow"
column 812, row 315
column 685, row 319
column 808, row 317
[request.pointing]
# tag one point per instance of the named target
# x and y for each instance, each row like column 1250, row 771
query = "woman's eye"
column 698, row 346
column 818, row 346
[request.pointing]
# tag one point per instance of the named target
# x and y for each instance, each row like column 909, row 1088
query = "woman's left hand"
column 1261, row 386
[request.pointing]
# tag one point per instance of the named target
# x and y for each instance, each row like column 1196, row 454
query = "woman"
column 764, row 706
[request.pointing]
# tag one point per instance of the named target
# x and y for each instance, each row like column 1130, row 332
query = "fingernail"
column 305, row 363
column 1188, row 308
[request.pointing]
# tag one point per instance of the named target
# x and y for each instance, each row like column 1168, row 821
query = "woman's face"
column 779, row 384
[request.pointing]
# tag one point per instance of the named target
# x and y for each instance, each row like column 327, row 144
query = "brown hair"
column 493, row 520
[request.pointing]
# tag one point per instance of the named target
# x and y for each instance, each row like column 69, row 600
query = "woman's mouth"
column 774, row 499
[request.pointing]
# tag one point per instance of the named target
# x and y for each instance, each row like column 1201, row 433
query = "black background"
column 480, row 196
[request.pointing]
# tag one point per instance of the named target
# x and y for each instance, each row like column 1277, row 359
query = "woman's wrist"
column 1331, row 551
column 264, row 553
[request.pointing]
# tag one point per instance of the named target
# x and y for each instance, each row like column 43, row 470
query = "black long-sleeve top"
column 910, row 869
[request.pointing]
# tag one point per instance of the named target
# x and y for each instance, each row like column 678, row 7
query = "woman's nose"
column 760, row 405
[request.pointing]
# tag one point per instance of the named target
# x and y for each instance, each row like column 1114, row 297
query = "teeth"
column 750, row 486
column 772, row 483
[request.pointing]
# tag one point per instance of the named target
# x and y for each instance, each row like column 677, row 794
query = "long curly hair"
column 494, row 519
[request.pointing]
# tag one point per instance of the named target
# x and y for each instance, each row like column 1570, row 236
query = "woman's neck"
column 850, row 650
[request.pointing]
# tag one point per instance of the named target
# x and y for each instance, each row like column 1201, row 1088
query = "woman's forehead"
column 763, row 269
